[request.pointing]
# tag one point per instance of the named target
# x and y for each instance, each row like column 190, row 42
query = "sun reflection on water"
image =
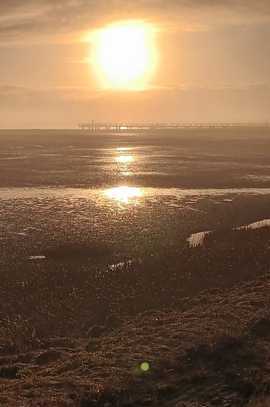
column 124, row 159
column 123, row 148
column 124, row 194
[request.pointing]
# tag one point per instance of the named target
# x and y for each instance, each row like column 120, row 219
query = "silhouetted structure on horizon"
column 95, row 126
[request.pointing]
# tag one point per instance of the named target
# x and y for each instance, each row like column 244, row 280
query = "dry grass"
column 17, row 335
column 260, row 403
column 215, row 350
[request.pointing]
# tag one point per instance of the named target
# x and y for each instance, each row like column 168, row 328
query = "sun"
column 124, row 55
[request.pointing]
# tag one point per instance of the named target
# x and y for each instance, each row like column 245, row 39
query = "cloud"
column 20, row 19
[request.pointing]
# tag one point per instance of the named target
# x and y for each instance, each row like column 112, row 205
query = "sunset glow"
column 124, row 55
column 134, row 203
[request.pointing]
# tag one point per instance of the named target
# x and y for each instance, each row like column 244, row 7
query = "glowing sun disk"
column 124, row 54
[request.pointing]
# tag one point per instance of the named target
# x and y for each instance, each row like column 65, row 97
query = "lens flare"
column 145, row 367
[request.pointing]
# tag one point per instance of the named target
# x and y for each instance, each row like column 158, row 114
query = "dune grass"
column 216, row 351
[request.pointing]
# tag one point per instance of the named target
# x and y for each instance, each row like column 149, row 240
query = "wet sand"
column 73, row 206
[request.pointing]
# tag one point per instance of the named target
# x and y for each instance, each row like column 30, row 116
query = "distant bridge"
column 94, row 126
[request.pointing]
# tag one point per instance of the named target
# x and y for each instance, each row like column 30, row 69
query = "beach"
column 121, row 232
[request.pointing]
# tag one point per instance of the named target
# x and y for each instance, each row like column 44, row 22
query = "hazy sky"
column 214, row 62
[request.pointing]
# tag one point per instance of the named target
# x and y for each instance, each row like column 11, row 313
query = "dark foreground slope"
column 215, row 353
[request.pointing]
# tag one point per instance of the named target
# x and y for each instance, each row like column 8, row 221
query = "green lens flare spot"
column 145, row 367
